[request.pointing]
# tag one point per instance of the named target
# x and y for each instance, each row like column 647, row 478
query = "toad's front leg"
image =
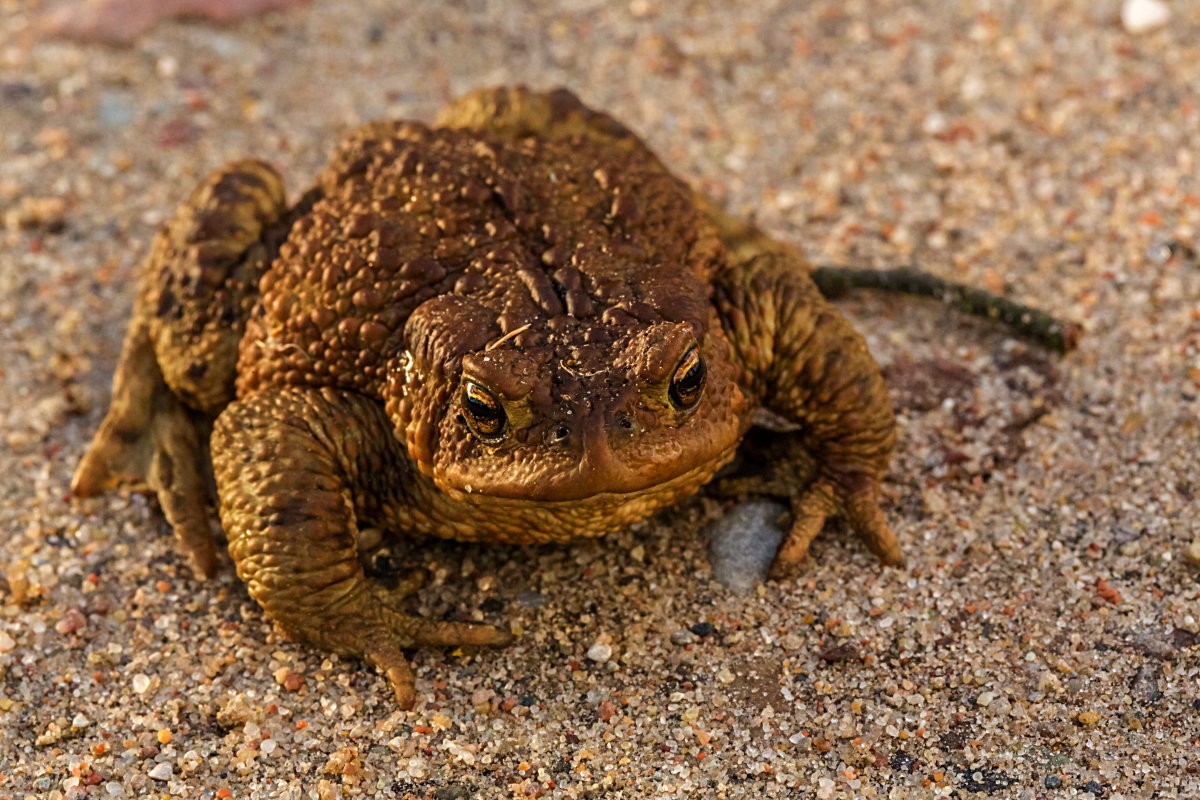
column 804, row 362
column 297, row 470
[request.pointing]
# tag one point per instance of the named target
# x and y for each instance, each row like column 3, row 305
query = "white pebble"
column 1139, row 16
column 80, row 721
column 168, row 66
column 268, row 746
column 599, row 652
column 934, row 123
column 742, row 544
column 985, row 699
column 114, row 789
column 6, row 642
column 161, row 772
column 140, row 683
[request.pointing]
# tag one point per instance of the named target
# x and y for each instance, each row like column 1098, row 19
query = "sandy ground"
column 1042, row 642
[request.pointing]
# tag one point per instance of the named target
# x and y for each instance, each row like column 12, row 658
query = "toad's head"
column 628, row 398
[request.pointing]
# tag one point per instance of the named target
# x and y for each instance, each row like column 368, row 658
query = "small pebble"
column 600, row 652
column 682, row 637
column 531, row 599
column 1192, row 552
column 115, row 109
column 72, row 622
column 1144, row 685
column 6, row 642
column 140, row 683
column 43, row 213
column 369, row 539
column 161, row 772
column 1052, row 782
column 1140, row 16
column 743, row 543
column 1159, row 253
column 703, row 629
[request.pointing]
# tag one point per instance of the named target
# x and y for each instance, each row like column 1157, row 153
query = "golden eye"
column 687, row 383
column 484, row 414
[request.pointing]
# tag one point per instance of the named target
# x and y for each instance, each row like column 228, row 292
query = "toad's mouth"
column 598, row 475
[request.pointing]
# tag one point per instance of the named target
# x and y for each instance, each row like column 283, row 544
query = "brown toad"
column 515, row 326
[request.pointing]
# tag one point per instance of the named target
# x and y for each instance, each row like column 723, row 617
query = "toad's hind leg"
column 149, row 437
column 177, row 363
column 298, row 470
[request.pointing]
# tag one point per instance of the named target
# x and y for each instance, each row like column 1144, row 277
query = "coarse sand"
column 1044, row 639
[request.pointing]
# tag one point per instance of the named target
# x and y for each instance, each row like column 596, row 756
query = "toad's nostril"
column 558, row 435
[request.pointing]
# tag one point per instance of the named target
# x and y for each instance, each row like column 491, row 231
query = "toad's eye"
column 484, row 414
column 688, row 381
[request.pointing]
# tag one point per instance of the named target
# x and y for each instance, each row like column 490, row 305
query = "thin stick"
column 1049, row 332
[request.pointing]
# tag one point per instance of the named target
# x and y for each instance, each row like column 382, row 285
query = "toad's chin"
column 585, row 482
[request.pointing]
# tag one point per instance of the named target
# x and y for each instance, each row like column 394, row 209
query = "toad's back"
column 530, row 237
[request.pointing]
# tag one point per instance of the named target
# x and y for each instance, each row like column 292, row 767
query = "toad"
column 515, row 325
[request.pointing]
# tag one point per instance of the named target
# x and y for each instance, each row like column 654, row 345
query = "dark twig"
column 1049, row 332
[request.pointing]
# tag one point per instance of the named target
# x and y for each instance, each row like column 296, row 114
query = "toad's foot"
column 814, row 497
column 366, row 625
column 297, row 471
column 821, row 500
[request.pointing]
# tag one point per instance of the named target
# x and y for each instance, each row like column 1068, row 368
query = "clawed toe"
column 866, row 518
column 822, row 500
column 387, row 655
column 459, row 634
column 399, row 674
column 373, row 630
column 809, row 512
